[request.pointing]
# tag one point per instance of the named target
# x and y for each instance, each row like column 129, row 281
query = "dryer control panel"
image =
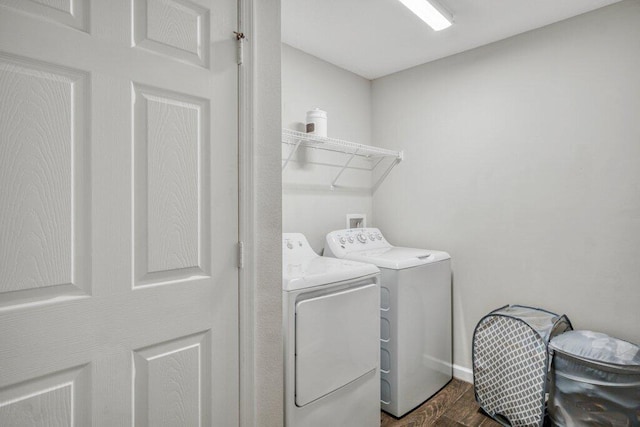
column 296, row 249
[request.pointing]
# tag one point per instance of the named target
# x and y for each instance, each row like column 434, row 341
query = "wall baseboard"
column 462, row 373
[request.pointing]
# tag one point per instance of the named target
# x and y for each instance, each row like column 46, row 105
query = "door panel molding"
column 64, row 397
column 70, row 13
column 171, row 190
column 174, row 28
column 45, row 170
column 179, row 368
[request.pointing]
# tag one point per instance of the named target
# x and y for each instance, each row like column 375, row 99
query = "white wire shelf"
column 352, row 149
column 293, row 137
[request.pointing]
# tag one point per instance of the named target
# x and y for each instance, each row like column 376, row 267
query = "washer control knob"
column 362, row 238
column 343, row 240
column 372, row 237
column 350, row 239
column 379, row 236
column 289, row 245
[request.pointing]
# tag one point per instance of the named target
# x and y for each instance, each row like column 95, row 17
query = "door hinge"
column 240, row 38
column 240, row 254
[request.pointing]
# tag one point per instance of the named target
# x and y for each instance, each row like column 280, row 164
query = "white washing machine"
column 415, row 315
column 331, row 338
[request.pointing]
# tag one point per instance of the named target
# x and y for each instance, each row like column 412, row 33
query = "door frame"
column 246, row 218
column 261, row 376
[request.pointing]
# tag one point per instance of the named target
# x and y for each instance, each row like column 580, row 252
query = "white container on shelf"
column 317, row 122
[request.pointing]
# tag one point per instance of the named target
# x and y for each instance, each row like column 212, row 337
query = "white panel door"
column 118, row 213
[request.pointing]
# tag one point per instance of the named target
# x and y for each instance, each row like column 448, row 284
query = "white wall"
column 309, row 206
column 522, row 159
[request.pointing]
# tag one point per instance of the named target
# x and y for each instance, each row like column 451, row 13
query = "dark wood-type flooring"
column 454, row 405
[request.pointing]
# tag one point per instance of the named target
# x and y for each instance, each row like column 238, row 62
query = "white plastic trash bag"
column 595, row 380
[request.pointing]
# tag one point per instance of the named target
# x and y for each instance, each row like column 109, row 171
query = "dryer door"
column 337, row 340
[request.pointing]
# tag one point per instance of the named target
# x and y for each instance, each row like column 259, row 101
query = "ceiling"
column 374, row 38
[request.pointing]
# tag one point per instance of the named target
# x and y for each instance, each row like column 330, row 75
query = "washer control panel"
column 355, row 239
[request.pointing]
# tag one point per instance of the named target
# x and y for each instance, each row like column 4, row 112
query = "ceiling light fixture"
column 430, row 12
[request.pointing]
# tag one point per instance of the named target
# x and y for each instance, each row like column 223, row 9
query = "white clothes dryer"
column 331, row 338
column 415, row 315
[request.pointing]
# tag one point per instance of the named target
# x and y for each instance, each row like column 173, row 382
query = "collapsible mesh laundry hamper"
column 511, row 361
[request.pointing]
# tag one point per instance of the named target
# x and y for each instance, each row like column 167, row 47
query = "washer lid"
column 303, row 268
column 397, row 258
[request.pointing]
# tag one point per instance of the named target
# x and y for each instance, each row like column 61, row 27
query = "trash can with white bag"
column 595, row 380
